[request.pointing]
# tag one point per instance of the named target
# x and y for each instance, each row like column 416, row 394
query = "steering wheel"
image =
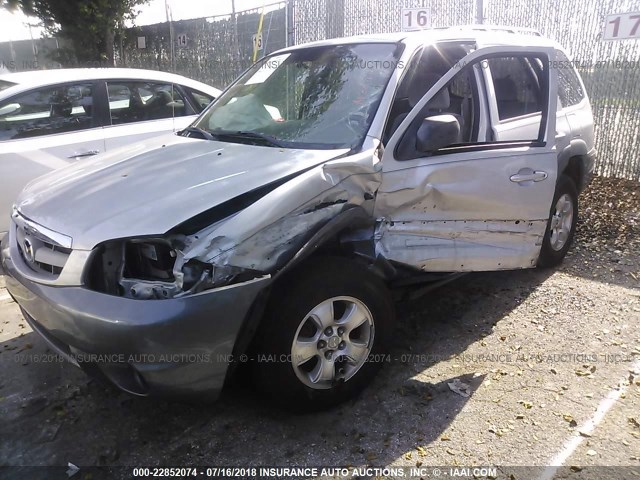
column 356, row 121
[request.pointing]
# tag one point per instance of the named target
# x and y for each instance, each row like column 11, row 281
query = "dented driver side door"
column 482, row 203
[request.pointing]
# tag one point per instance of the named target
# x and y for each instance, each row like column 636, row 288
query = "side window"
column 458, row 98
column 47, row 111
column 200, row 99
column 452, row 120
column 569, row 88
column 142, row 101
column 423, row 71
column 517, row 87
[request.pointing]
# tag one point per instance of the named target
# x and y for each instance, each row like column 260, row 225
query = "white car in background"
column 51, row 118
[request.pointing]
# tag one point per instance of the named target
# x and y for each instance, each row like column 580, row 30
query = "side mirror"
column 9, row 109
column 436, row 132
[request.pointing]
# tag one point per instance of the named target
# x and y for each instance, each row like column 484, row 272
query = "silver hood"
column 148, row 189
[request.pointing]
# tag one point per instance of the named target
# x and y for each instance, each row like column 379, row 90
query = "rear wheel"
column 324, row 335
column 561, row 225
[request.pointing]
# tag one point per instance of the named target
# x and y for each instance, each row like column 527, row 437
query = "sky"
column 15, row 26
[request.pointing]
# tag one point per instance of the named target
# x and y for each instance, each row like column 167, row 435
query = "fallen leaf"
column 459, row 387
column 571, row 420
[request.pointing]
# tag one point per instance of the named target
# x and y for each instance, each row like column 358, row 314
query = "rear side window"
column 200, row 99
column 516, row 85
column 142, row 101
column 46, row 111
column 4, row 84
column 569, row 89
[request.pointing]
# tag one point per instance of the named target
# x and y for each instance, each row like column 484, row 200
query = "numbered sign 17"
column 622, row 26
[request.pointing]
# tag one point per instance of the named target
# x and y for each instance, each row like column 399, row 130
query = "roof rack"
column 493, row 28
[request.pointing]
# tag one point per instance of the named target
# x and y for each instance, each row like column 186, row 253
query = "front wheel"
column 324, row 335
column 562, row 222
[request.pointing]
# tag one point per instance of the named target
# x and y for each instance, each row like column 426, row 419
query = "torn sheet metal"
column 465, row 214
column 462, row 245
column 265, row 235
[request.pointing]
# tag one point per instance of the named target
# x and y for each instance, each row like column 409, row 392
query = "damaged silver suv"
column 271, row 230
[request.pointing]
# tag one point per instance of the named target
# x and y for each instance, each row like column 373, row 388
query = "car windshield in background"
column 4, row 84
column 320, row 97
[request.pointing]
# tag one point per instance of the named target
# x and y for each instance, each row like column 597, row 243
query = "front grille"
column 38, row 250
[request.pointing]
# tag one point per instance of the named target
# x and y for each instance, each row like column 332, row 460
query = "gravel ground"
column 539, row 352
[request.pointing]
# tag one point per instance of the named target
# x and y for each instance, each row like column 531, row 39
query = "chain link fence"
column 610, row 70
column 214, row 50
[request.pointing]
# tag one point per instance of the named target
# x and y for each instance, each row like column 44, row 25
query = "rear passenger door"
column 138, row 110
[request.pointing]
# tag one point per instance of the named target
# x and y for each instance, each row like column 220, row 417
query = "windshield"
column 5, row 84
column 318, row 97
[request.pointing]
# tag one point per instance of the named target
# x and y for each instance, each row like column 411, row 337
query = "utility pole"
column 234, row 19
column 172, row 49
column 289, row 23
column 33, row 47
column 479, row 12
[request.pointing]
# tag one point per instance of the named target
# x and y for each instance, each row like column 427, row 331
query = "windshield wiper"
column 262, row 137
column 196, row 131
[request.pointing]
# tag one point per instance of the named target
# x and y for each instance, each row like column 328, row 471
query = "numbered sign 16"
column 415, row 18
column 622, row 26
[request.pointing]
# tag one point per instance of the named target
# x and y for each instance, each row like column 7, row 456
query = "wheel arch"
column 572, row 160
column 346, row 220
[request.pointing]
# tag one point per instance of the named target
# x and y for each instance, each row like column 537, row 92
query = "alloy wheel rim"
column 561, row 222
column 332, row 342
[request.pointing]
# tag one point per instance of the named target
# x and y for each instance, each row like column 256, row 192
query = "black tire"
column 291, row 302
column 549, row 256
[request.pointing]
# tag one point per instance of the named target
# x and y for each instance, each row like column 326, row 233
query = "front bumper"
column 172, row 348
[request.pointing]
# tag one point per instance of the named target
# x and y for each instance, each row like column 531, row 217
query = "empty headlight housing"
column 155, row 268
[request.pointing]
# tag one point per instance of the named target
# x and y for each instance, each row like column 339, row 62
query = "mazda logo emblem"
column 28, row 251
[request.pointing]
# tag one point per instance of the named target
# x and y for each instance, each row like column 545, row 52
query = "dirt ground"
column 551, row 359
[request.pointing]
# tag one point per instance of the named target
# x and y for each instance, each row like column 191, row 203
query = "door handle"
column 531, row 176
column 85, row 154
